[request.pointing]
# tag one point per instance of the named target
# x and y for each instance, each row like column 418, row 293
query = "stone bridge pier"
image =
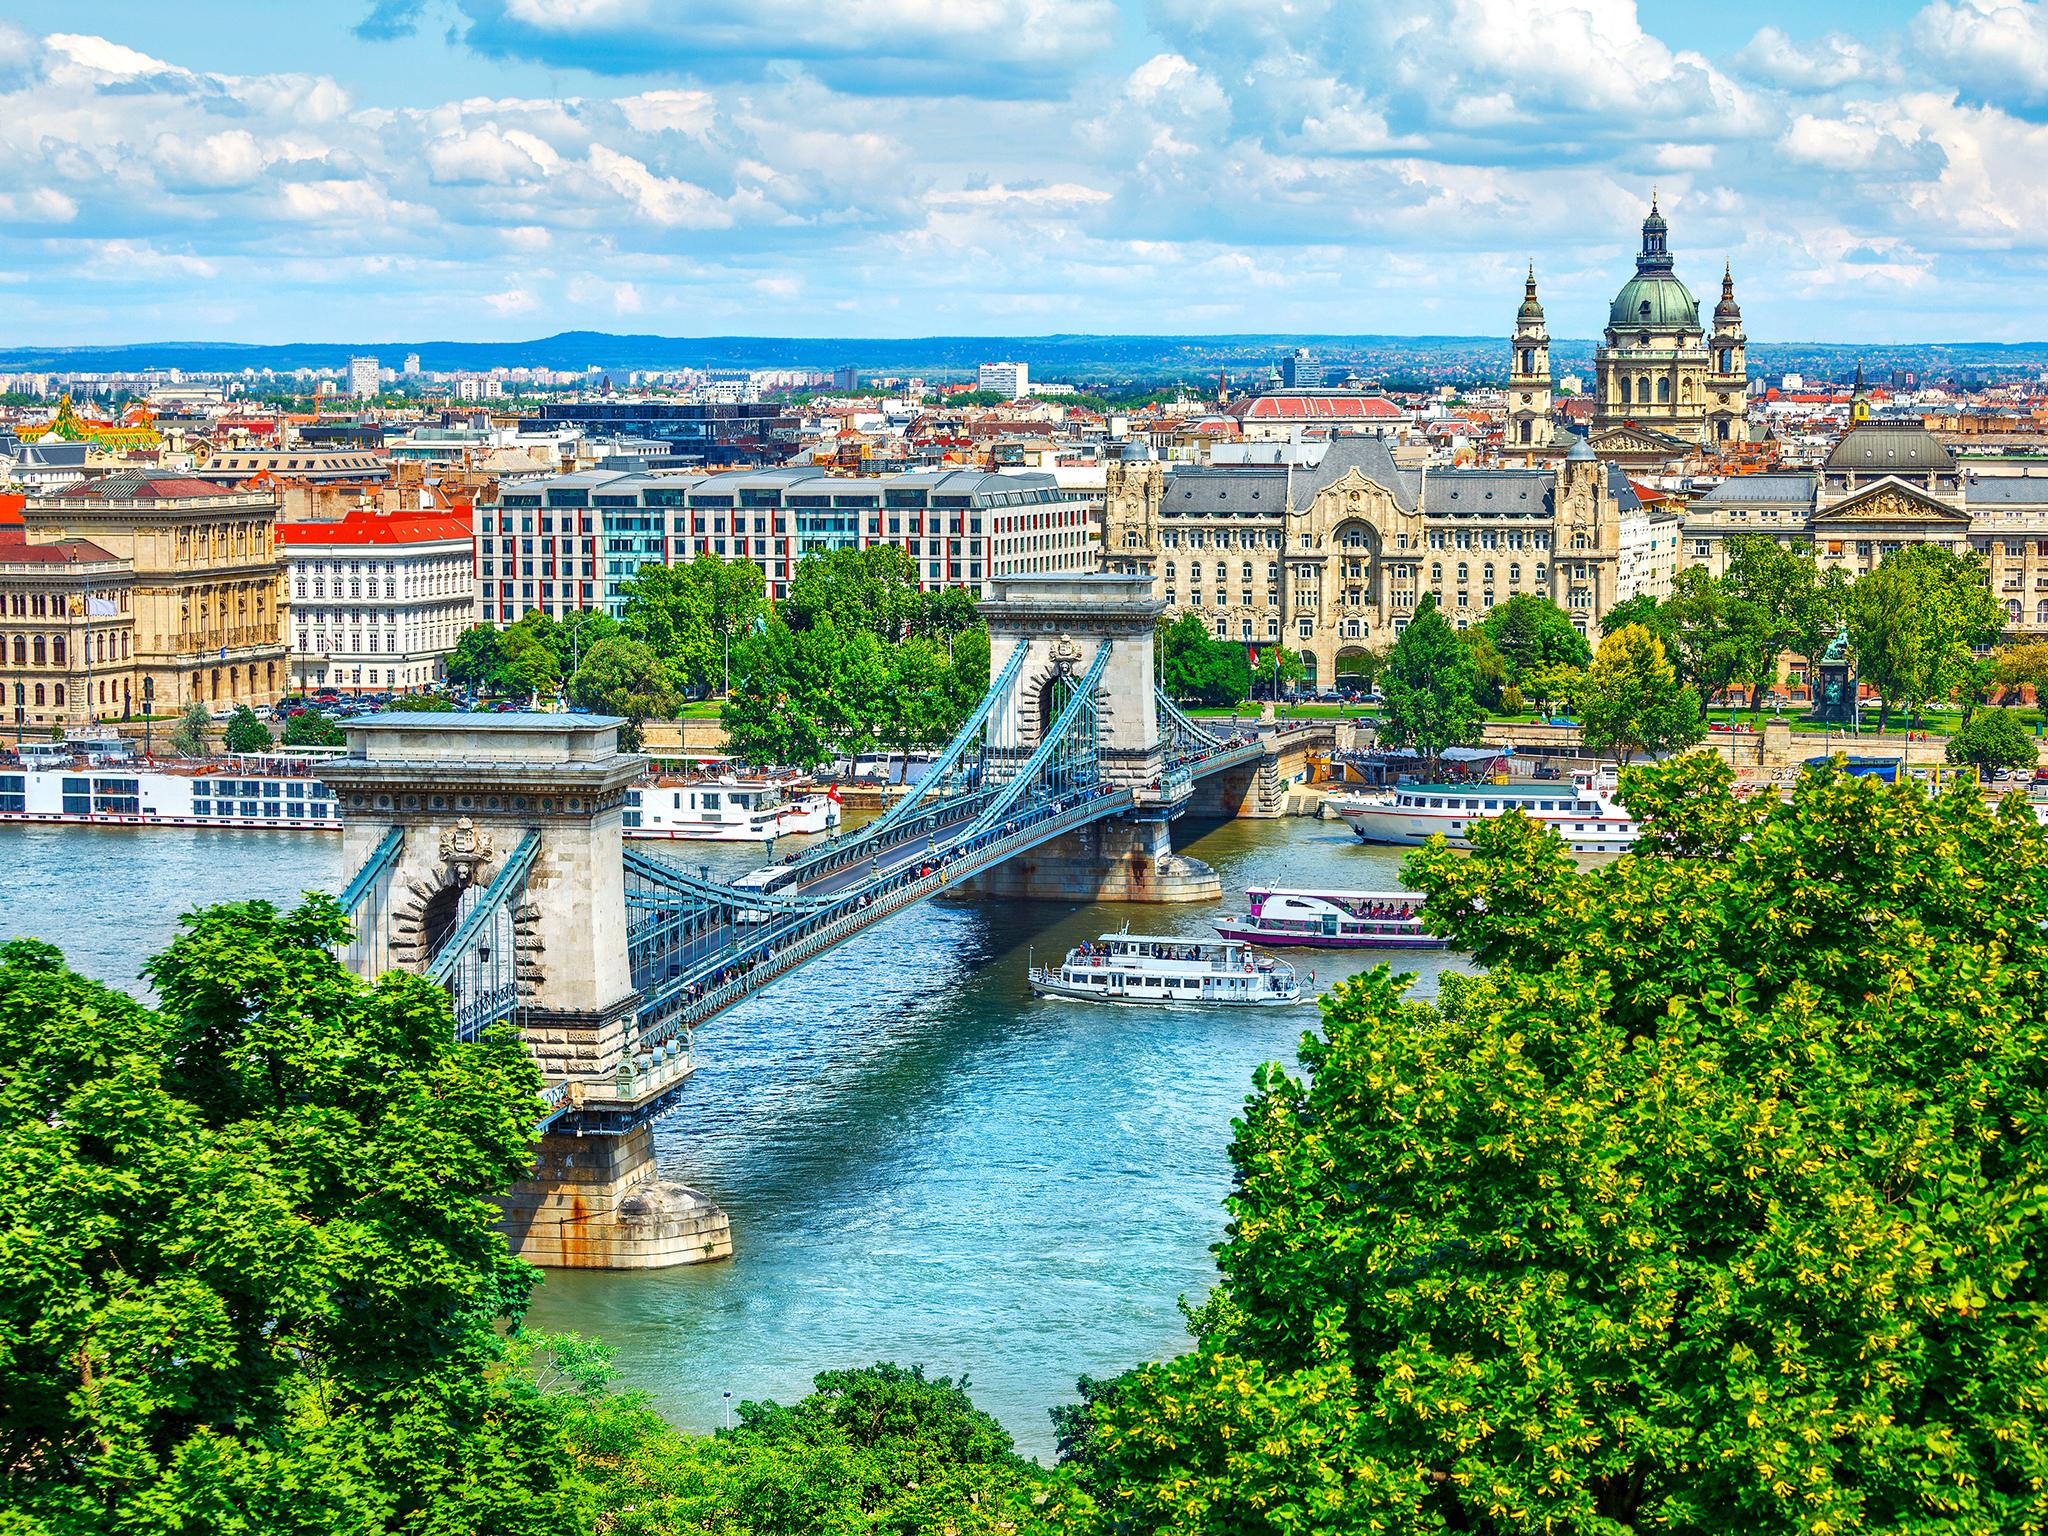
column 465, row 793
column 1060, row 622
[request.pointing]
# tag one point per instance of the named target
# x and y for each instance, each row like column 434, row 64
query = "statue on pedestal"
column 1834, row 690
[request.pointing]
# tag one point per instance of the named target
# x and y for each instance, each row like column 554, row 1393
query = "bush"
column 1511, row 700
column 312, row 729
column 245, row 733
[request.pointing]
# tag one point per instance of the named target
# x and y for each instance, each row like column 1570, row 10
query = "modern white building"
column 376, row 601
column 365, row 378
column 1648, row 553
column 1010, row 380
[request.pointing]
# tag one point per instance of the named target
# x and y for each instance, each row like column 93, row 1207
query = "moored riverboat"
column 1583, row 812
column 1281, row 918
column 726, row 810
column 271, row 790
column 1128, row 967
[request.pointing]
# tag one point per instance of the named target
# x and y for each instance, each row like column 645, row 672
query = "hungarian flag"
column 1255, row 655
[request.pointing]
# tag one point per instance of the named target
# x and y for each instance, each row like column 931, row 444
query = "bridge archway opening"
column 438, row 918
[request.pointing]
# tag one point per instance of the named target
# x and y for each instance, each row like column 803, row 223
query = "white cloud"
column 1994, row 49
column 685, row 112
column 218, row 162
column 491, row 156
column 1822, row 63
column 512, row 301
column 666, row 200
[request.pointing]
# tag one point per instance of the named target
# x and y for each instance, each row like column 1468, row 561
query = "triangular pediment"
column 1638, row 440
column 1891, row 500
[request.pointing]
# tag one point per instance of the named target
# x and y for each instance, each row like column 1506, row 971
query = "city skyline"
column 490, row 169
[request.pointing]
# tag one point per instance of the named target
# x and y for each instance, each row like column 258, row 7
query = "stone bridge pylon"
column 489, row 857
column 1060, row 622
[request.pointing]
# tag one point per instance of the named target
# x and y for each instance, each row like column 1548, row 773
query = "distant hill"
column 1076, row 357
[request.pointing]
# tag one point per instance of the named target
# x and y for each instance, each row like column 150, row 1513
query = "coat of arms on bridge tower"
column 1066, row 654
column 463, row 849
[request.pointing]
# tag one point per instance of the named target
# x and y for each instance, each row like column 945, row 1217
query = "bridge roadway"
column 723, row 962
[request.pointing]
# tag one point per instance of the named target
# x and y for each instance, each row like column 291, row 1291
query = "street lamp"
column 148, row 709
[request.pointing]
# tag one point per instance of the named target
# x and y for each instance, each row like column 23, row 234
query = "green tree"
column 1698, row 632
column 1530, row 632
column 420, row 704
column 1992, row 739
column 874, row 588
column 1431, row 692
column 310, row 728
column 878, row 1450
column 1196, row 668
column 528, row 667
column 1714, row 1204
column 576, row 632
column 2025, row 663
column 1558, row 685
column 1641, row 609
column 1915, row 622
column 694, row 616
column 477, row 661
column 768, row 717
column 623, row 677
column 914, row 707
column 1632, row 701
column 1772, row 592
column 245, row 733
column 1489, row 669
column 252, row 1277
column 189, row 737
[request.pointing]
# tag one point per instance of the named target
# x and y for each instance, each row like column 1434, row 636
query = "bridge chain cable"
column 371, row 875
column 1063, row 751
column 510, row 876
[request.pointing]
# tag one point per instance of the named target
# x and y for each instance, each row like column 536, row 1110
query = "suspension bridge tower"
column 488, row 857
column 1060, row 622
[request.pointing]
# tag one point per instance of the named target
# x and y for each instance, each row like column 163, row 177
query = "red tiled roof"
column 15, row 549
column 1316, row 408
column 136, row 485
column 361, row 527
column 10, row 511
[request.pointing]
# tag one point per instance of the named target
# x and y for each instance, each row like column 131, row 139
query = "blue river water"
column 922, row 1162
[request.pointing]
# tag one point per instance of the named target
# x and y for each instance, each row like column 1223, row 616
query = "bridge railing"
column 689, row 1001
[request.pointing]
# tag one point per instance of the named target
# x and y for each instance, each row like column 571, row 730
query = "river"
column 922, row 1162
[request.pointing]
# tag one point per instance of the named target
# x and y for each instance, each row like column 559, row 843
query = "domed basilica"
column 1660, row 378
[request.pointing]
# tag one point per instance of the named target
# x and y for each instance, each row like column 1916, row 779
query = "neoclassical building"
column 1327, row 546
column 208, row 588
column 1661, row 379
column 1886, row 484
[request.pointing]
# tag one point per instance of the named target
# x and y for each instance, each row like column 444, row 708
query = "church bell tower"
column 1529, row 374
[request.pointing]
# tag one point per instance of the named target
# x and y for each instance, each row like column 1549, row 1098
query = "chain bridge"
column 490, row 858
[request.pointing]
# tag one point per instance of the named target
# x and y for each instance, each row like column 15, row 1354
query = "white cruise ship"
column 1128, row 967
column 726, row 810
column 256, row 791
column 1583, row 812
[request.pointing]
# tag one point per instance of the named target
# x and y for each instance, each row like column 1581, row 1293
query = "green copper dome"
column 1654, row 301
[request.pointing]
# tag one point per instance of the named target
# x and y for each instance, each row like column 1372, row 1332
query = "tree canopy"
column 245, row 733
column 1531, row 632
column 1715, row 1204
column 1915, row 622
column 251, row 1271
column 623, row 677
column 1992, row 739
column 1196, row 668
column 1630, row 699
column 1430, row 687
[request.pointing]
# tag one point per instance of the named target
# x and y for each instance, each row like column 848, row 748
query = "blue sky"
column 478, row 169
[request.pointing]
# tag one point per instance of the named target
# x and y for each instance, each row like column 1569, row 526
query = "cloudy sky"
column 478, row 169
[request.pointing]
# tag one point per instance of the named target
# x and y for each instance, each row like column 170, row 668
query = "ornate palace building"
column 208, row 587
column 1661, row 380
column 66, row 631
column 1327, row 546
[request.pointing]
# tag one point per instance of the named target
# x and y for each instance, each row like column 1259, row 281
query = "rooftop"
column 362, row 527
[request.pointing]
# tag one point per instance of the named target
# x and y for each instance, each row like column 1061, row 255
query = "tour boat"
column 1290, row 919
column 1583, row 813
column 726, row 810
column 275, row 790
column 1128, row 967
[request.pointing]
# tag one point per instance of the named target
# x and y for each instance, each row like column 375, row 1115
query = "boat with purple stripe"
column 1297, row 919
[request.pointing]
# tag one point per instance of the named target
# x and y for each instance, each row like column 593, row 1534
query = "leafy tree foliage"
column 1992, row 739
column 2025, row 662
column 883, row 1449
column 478, row 655
column 245, row 733
column 1489, row 669
column 1697, row 630
column 873, row 588
column 694, row 616
column 1641, row 609
column 1772, row 592
column 251, row 1273
column 1430, row 686
column 189, row 735
column 1915, row 621
column 1196, row 668
column 1714, row 1205
column 1531, row 632
column 623, row 677
column 1553, row 685
column 310, row 728
column 1631, row 700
